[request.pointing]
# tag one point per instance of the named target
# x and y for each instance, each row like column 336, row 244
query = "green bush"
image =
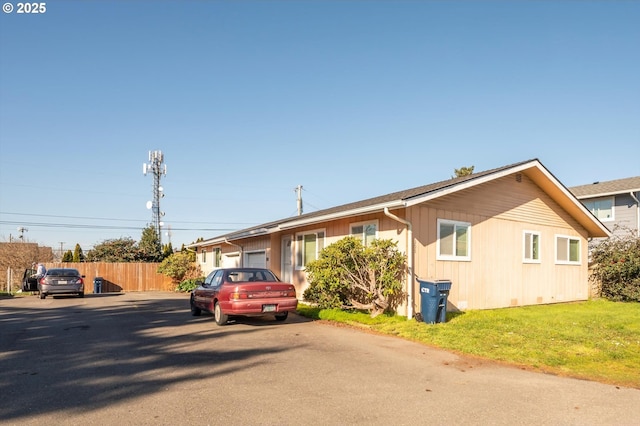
column 617, row 268
column 349, row 275
column 179, row 267
column 189, row 285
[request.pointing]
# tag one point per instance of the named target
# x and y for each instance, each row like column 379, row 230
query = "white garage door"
column 255, row 259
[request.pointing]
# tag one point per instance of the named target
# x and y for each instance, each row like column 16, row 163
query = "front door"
column 287, row 260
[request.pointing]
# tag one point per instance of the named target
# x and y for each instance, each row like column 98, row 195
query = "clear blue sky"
column 249, row 99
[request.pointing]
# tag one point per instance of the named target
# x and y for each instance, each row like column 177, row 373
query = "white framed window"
column 567, row 250
column 365, row 231
column 531, row 250
column 308, row 247
column 601, row 208
column 454, row 240
column 204, row 255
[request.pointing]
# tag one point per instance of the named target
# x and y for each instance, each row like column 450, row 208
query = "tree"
column 149, row 247
column 115, row 250
column 617, row 267
column 78, row 256
column 348, row 275
column 67, row 256
column 167, row 250
column 462, row 171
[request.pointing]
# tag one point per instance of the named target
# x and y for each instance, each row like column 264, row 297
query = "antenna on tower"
column 157, row 169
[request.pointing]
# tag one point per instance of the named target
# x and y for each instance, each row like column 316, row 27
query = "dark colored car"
column 61, row 281
column 243, row 292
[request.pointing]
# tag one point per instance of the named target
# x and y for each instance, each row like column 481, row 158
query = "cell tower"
column 157, row 168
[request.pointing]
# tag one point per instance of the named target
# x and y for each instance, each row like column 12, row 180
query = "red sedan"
column 243, row 292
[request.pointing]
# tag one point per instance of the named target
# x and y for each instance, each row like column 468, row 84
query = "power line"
column 120, row 220
column 112, row 227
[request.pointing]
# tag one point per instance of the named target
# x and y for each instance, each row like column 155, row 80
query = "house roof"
column 611, row 187
column 402, row 199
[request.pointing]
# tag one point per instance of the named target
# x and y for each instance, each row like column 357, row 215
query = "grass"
column 596, row 340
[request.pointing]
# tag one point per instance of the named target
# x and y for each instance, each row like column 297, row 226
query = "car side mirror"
column 199, row 283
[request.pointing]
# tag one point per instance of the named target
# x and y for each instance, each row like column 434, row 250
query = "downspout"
column 637, row 213
column 241, row 251
column 409, row 260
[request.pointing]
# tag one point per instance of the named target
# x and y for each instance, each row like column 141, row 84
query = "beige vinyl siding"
column 496, row 276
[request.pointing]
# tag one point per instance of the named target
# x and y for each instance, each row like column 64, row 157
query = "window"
column 217, row 258
column 213, row 279
column 567, row 249
column 531, row 247
column 454, row 240
column 308, row 247
column 602, row 208
column 367, row 232
column 204, row 255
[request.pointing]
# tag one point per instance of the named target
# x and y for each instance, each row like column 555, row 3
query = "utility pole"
column 158, row 169
column 299, row 192
column 22, row 230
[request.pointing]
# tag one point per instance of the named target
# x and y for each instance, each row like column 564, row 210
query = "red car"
column 243, row 292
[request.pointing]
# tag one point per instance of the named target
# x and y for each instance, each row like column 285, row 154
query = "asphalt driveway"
column 142, row 359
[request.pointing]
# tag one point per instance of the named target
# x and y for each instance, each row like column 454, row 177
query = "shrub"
column 179, row 266
column 189, row 285
column 349, row 275
column 617, row 267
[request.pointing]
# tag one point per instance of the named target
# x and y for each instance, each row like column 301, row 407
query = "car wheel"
column 195, row 311
column 42, row 295
column 80, row 294
column 281, row 317
column 220, row 317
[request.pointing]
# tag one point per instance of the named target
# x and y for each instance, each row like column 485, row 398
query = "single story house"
column 614, row 202
column 510, row 236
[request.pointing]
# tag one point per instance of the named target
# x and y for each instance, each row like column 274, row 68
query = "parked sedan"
column 243, row 292
column 61, row 281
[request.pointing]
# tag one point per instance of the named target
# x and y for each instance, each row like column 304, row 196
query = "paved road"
column 141, row 359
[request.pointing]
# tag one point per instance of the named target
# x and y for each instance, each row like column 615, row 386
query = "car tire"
column 281, row 317
column 220, row 317
column 195, row 311
column 80, row 294
column 42, row 295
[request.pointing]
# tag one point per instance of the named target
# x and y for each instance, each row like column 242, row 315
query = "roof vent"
column 518, row 177
column 595, row 183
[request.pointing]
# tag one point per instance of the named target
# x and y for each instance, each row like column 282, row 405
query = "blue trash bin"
column 97, row 285
column 434, row 297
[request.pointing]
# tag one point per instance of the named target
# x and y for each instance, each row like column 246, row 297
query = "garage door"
column 255, row 259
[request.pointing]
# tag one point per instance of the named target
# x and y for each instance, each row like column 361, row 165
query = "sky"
column 249, row 99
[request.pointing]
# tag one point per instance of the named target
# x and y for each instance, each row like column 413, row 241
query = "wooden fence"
column 117, row 277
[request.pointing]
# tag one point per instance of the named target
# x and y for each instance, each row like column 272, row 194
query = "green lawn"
column 595, row 340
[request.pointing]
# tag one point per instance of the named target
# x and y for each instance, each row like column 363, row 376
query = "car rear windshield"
column 249, row 275
column 63, row 272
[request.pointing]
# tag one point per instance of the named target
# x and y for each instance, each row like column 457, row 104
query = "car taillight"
column 238, row 295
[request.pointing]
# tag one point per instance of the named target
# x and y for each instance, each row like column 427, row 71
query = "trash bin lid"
column 444, row 285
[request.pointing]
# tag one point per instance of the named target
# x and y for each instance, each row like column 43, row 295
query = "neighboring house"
column 614, row 202
column 510, row 236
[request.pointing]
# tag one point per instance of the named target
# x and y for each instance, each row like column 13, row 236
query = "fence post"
column 9, row 280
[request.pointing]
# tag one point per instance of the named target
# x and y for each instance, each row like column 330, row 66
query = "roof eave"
column 607, row 194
